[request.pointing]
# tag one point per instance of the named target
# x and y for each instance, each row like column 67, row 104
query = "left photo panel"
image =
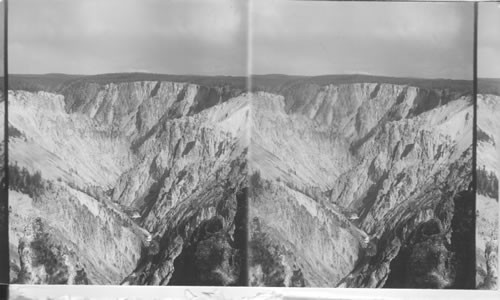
column 127, row 142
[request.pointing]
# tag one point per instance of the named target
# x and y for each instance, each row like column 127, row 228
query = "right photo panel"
column 361, row 152
column 488, row 144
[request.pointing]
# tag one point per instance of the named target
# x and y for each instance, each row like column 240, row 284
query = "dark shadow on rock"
column 431, row 259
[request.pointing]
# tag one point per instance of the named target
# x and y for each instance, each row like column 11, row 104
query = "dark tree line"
column 487, row 183
column 22, row 181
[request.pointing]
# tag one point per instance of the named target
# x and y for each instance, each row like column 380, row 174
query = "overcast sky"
column 208, row 37
column 395, row 39
column 102, row 36
column 489, row 40
column 1, row 35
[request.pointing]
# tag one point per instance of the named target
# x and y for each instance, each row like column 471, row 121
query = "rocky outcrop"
column 437, row 253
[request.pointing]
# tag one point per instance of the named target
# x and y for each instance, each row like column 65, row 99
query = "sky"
column 104, row 36
column 209, row 37
column 488, row 40
column 1, row 35
column 428, row 40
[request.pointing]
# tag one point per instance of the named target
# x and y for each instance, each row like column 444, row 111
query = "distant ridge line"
column 349, row 75
column 53, row 82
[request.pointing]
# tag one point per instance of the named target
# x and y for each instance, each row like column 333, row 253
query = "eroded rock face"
column 293, row 236
column 374, row 161
column 186, row 240
column 126, row 175
column 150, row 182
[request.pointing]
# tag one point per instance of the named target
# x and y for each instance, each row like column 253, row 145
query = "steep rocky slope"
column 116, row 180
column 488, row 164
column 348, row 178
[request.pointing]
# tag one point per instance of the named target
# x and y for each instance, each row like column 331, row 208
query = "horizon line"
column 249, row 75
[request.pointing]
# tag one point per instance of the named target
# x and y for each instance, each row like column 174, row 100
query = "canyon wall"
column 344, row 176
column 354, row 184
column 110, row 177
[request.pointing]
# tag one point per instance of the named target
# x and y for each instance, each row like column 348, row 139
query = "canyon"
column 361, row 185
column 333, row 181
column 117, row 183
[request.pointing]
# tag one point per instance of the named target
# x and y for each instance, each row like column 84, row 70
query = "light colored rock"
column 382, row 151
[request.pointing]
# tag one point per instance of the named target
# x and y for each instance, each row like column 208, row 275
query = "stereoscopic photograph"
column 262, row 143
